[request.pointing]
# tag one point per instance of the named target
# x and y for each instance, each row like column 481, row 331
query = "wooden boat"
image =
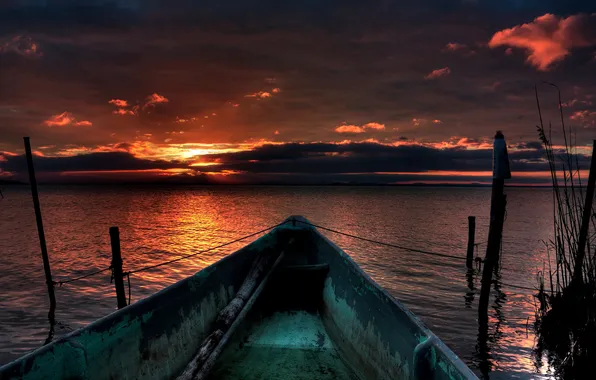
column 311, row 314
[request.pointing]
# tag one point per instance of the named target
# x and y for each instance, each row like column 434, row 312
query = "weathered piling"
column 117, row 266
column 501, row 172
column 586, row 216
column 40, row 230
column 471, row 241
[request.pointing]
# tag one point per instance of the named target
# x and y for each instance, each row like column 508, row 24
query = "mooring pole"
column 117, row 267
column 40, row 231
column 587, row 214
column 501, row 172
column 471, row 241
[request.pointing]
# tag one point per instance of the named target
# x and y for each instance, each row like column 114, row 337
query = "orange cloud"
column 123, row 105
column 350, row 128
column 549, row 38
column 21, row 45
column 259, row 95
column 122, row 111
column 151, row 100
column 437, row 121
column 64, row 119
column 119, row 102
column 438, row 73
column 155, row 98
column 276, row 90
column 377, row 126
column 182, row 121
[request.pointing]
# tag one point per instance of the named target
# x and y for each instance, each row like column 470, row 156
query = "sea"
column 160, row 223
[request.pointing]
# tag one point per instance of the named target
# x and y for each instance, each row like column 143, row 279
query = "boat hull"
column 366, row 333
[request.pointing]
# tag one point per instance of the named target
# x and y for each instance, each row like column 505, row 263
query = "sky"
column 305, row 92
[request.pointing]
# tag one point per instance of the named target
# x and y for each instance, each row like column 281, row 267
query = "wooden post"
column 587, row 214
column 471, row 239
column 40, row 231
column 117, row 267
column 497, row 216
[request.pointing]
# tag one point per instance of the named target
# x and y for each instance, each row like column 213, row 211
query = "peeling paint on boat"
column 387, row 332
column 373, row 355
column 152, row 339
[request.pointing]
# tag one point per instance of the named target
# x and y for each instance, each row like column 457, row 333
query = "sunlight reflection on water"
column 158, row 224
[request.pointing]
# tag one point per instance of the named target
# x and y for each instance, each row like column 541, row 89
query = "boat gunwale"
column 142, row 303
column 430, row 336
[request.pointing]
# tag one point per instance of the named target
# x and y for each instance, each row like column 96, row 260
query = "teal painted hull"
column 319, row 317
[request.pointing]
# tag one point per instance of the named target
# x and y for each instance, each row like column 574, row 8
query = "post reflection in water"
column 469, row 296
column 489, row 329
column 160, row 224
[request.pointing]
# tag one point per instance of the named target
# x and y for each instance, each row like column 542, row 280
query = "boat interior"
column 285, row 335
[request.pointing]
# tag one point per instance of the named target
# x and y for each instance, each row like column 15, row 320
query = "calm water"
column 157, row 224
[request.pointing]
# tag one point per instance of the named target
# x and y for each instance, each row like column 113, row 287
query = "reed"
column 566, row 312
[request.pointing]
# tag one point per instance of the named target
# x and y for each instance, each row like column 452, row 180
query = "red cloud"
column 549, row 38
column 119, row 102
column 21, row 45
column 585, row 118
column 438, row 73
column 64, row 119
column 574, row 102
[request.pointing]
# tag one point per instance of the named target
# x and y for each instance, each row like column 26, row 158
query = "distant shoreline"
column 182, row 184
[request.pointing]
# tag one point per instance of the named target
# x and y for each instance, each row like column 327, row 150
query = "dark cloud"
column 101, row 161
column 323, row 162
column 369, row 158
column 536, row 145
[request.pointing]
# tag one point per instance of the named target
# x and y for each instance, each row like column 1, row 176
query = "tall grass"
column 565, row 321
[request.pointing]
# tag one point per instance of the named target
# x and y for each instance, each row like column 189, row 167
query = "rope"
column 410, row 249
column 383, row 243
column 127, row 274
column 203, row 251
column 60, row 283
column 517, row 286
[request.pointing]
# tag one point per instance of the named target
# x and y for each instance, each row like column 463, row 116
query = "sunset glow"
column 350, row 105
